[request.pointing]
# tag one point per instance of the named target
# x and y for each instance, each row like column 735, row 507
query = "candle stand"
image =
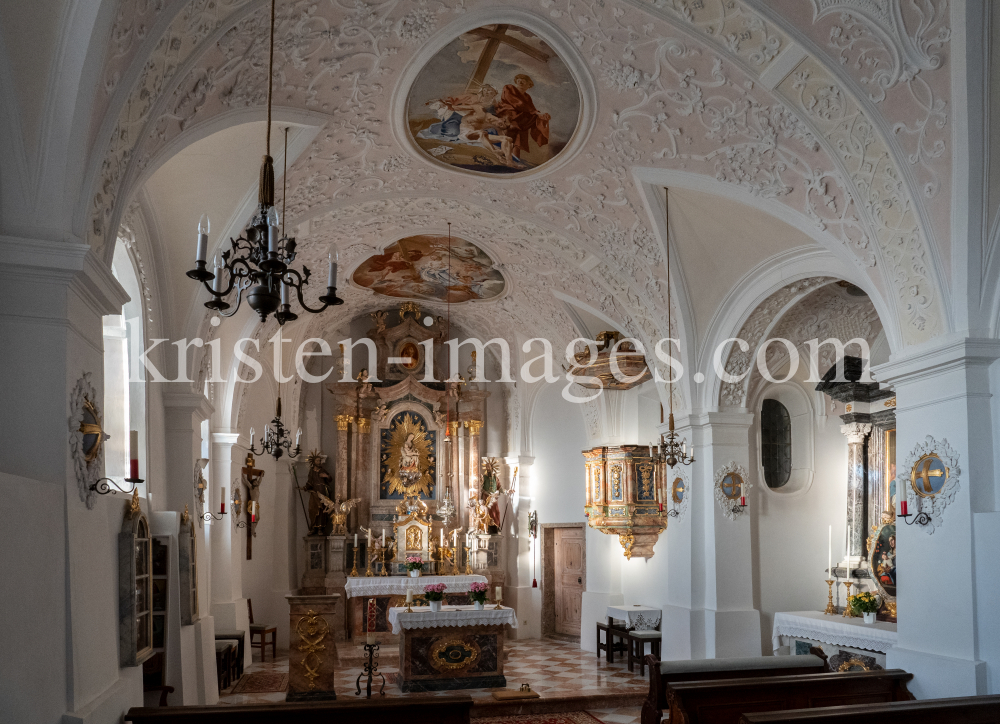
column 371, row 670
column 847, row 603
column 354, row 569
column 830, row 608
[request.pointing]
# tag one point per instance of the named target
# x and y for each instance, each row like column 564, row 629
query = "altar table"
column 801, row 629
column 389, row 591
column 639, row 618
column 457, row 648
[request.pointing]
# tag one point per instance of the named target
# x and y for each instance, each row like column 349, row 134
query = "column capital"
column 343, row 421
column 475, row 426
column 225, row 438
column 364, row 425
column 856, row 432
column 453, row 427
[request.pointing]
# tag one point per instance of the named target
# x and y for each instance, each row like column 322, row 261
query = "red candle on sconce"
column 661, row 507
column 743, row 501
column 133, row 463
column 902, row 508
column 222, row 502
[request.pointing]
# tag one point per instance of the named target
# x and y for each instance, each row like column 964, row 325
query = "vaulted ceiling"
column 784, row 129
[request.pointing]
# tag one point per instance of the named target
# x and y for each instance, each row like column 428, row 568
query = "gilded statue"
column 407, row 471
column 338, row 511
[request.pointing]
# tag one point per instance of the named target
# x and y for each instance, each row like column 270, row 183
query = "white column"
column 229, row 606
column 944, row 392
column 710, row 610
column 527, row 601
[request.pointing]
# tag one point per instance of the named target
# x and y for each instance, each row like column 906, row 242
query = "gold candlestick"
column 354, row 570
column 847, row 607
column 830, row 610
column 368, row 561
column 384, row 555
column 499, row 603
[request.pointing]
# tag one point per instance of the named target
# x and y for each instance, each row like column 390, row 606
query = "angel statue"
column 338, row 511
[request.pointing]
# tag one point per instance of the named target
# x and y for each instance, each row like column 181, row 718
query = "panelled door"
column 569, row 572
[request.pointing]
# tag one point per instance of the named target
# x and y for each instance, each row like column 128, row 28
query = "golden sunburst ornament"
column 409, row 459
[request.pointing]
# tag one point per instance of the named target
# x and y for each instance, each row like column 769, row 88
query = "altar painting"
column 429, row 267
column 497, row 99
column 407, row 462
column 883, row 558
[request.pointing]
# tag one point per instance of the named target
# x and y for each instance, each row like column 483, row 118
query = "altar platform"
column 565, row 677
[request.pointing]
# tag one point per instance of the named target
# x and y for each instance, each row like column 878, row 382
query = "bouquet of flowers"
column 864, row 603
column 434, row 592
column 414, row 563
column 477, row 592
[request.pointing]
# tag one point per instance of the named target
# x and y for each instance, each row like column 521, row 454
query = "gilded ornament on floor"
column 312, row 629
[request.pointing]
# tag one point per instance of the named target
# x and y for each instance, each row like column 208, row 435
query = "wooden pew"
column 663, row 672
column 724, row 702
column 965, row 709
column 451, row 709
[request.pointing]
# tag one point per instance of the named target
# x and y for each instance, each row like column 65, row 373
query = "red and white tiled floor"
column 553, row 668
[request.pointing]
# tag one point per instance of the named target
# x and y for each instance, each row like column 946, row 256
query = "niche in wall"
column 135, row 587
column 799, row 441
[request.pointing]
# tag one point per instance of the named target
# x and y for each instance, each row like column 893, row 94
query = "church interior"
column 522, row 362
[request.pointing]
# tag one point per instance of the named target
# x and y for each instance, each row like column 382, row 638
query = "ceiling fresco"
column 497, row 99
column 431, row 268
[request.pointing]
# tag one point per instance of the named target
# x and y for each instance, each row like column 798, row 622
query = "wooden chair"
column 637, row 641
column 223, row 664
column 262, row 630
column 663, row 673
column 615, row 639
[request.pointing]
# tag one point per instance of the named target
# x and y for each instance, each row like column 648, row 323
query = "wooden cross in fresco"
column 493, row 39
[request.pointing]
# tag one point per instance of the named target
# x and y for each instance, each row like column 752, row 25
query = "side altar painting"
column 497, row 99
column 407, row 458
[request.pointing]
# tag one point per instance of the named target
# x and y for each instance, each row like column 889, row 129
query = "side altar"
column 458, row 647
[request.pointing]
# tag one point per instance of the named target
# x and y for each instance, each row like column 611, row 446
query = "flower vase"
column 869, row 617
column 415, row 573
column 435, row 606
column 478, row 605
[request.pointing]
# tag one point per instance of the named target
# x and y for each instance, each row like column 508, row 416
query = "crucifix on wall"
column 252, row 478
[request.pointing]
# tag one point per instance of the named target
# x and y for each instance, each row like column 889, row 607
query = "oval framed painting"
column 496, row 100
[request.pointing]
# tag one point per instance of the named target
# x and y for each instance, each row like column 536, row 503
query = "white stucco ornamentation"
column 87, row 472
column 727, row 503
column 932, row 506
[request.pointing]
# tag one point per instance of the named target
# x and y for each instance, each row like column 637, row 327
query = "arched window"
column 135, row 589
column 775, row 443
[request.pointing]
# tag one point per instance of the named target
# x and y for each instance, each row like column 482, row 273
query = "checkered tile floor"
column 553, row 668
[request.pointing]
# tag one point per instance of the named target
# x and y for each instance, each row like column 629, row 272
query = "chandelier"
column 277, row 438
column 671, row 450
column 257, row 264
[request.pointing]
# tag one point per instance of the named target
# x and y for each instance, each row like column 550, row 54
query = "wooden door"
column 569, row 575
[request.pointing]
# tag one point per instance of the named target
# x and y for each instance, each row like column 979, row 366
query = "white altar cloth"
column 448, row 616
column 398, row 585
column 640, row 618
column 837, row 630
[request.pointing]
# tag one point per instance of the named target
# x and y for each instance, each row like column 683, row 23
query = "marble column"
column 459, row 491
column 312, row 652
column 341, row 484
column 475, row 466
column 856, row 433
column 362, row 437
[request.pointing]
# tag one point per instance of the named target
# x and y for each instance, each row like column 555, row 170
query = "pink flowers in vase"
column 414, row 563
column 434, row 591
column 477, row 592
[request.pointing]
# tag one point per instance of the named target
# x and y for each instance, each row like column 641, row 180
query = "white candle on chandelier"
column 284, row 294
column 217, row 269
column 272, row 230
column 251, row 437
column 331, row 268
column 203, row 228
column 298, row 435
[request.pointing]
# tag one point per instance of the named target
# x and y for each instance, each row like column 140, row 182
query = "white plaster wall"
column 790, row 525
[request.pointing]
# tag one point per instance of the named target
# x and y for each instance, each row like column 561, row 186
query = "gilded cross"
column 926, row 473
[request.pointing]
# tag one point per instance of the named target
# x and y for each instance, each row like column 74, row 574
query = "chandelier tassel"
column 265, row 191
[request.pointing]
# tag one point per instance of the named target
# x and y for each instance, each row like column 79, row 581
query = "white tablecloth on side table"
column 448, row 616
column 640, row 618
column 398, row 585
column 837, row 630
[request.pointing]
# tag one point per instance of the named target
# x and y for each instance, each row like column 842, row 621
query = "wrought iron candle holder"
column 211, row 516
column 920, row 518
column 370, row 670
column 106, row 485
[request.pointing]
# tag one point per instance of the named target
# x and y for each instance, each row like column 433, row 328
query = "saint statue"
column 319, row 485
column 252, row 478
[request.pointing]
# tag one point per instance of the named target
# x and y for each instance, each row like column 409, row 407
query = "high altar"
column 408, row 480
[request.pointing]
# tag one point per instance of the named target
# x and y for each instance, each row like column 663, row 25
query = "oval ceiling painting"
column 496, row 99
column 427, row 267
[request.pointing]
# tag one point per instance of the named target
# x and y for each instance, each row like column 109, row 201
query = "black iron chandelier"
column 257, row 264
column 672, row 450
column 277, row 438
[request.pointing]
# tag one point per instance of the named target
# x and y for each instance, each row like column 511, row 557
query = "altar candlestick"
column 222, row 509
column 133, row 467
column 369, row 537
column 441, row 544
column 355, row 540
column 409, row 595
column 383, row 537
column 499, row 592
column 454, row 538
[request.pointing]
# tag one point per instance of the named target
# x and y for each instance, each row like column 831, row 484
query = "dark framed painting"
column 497, row 99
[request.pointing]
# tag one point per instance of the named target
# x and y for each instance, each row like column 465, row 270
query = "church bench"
column 663, row 672
column 725, row 702
column 451, row 709
column 961, row 710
